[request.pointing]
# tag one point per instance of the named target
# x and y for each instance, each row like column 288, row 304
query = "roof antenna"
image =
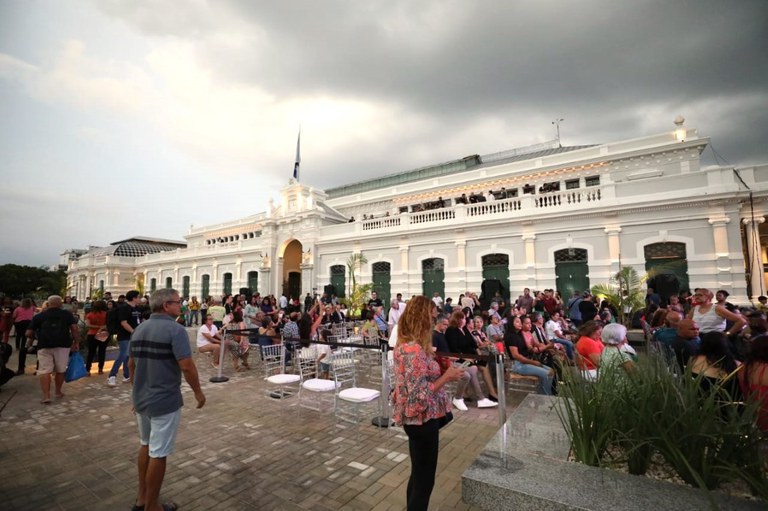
column 556, row 123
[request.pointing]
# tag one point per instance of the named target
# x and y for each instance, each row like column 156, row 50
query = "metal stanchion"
column 501, row 390
column 383, row 420
column 219, row 378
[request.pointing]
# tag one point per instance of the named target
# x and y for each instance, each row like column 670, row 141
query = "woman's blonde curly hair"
column 415, row 325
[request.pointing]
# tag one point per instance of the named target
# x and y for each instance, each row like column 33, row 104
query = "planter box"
column 525, row 466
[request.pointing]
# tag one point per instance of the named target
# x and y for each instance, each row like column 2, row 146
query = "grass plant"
column 704, row 437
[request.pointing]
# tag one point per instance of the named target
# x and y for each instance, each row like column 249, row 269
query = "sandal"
column 170, row 506
column 45, row 401
column 137, row 507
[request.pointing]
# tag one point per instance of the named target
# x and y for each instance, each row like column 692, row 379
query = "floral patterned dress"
column 414, row 400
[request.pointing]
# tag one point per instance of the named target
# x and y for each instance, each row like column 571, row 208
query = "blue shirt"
column 156, row 347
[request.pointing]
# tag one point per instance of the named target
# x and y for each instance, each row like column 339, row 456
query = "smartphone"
column 465, row 364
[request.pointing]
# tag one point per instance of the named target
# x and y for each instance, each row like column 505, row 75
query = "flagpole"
column 297, row 162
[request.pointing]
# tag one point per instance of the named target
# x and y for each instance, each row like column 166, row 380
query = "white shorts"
column 159, row 433
column 53, row 360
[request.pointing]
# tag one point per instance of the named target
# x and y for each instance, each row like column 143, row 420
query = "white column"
column 754, row 252
column 530, row 260
column 461, row 267
column 614, row 247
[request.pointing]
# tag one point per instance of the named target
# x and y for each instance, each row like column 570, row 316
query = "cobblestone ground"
column 243, row 450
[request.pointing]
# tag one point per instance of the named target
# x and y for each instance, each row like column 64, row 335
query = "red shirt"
column 587, row 346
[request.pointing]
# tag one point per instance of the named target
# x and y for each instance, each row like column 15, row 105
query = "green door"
column 185, row 287
column 667, row 267
column 339, row 280
column 495, row 278
column 433, row 275
column 227, row 283
column 205, row 291
column 571, row 271
column 168, row 282
column 571, row 277
column 152, row 285
column 253, row 282
column 381, row 278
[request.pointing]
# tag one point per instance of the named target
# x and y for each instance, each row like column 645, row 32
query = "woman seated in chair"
column 613, row 360
column 238, row 342
column 522, row 358
column 485, row 347
column 589, row 348
column 461, row 341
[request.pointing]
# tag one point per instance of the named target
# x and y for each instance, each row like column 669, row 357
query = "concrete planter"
column 525, row 466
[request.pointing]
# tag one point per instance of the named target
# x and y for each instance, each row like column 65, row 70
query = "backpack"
column 54, row 331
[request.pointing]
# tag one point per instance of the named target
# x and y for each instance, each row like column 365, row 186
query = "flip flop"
column 170, row 506
column 59, row 396
column 45, row 401
column 136, row 507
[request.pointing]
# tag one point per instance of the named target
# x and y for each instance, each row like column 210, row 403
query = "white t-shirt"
column 438, row 301
column 553, row 330
column 201, row 340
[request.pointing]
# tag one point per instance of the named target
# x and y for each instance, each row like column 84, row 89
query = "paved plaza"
column 243, row 450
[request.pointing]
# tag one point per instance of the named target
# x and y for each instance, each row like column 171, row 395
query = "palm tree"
column 358, row 294
column 624, row 292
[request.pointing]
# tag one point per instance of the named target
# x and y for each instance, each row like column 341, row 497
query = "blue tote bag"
column 76, row 367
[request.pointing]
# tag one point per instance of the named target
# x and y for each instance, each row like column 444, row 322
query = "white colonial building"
column 539, row 217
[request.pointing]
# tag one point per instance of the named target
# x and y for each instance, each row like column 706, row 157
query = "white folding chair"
column 311, row 385
column 279, row 381
column 348, row 394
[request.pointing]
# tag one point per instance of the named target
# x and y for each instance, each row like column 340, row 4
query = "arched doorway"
column 571, row 271
column 495, row 278
column 292, row 269
column 433, row 274
column 667, row 267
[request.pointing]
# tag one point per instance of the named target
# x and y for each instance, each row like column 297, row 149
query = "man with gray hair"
column 57, row 335
column 395, row 311
column 159, row 354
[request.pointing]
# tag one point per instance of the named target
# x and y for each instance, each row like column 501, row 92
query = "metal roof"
column 452, row 167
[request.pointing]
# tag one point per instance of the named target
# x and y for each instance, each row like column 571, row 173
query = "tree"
column 624, row 292
column 18, row 281
column 358, row 295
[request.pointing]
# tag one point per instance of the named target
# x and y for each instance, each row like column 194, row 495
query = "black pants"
column 21, row 342
column 95, row 346
column 423, row 443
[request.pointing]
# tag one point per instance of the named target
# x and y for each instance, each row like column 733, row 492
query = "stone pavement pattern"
column 243, row 450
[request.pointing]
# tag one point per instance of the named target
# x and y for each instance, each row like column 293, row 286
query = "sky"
column 123, row 118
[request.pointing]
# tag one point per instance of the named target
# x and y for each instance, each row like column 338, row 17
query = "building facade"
column 540, row 217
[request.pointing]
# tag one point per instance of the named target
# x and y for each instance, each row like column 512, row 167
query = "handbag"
column 101, row 335
column 76, row 368
column 444, row 420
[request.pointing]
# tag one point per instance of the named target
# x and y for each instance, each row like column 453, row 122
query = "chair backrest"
column 274, row 359
column 307, row 363
column 343, row 364
column 339, row 330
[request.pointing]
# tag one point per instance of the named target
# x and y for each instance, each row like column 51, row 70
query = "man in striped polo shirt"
column 159, row 354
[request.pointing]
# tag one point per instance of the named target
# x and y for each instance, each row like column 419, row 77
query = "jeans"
column 122, row 358
column 21, row 343
column 192, row 317
column 568, row 345
column 423, row 443
column 544, row 374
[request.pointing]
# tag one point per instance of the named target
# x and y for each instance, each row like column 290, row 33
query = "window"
column 572, row 184
column 592, row 181
column 531, row 189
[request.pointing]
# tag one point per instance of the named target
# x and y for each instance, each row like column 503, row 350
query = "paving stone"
column 243, row 450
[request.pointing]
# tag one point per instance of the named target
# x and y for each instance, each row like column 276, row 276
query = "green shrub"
column 706, row 439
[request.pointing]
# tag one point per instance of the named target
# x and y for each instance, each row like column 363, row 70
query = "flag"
column 298, row 157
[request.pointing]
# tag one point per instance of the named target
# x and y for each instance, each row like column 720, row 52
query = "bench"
column 522, row 383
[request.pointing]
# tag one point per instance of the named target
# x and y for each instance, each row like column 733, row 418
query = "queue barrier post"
column 219, row 378
column 501, row 390
column 383, row 420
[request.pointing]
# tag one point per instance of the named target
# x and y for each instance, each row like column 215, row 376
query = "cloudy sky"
column 125, row 117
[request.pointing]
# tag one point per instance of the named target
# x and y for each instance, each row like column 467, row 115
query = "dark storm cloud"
column 604, row 66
